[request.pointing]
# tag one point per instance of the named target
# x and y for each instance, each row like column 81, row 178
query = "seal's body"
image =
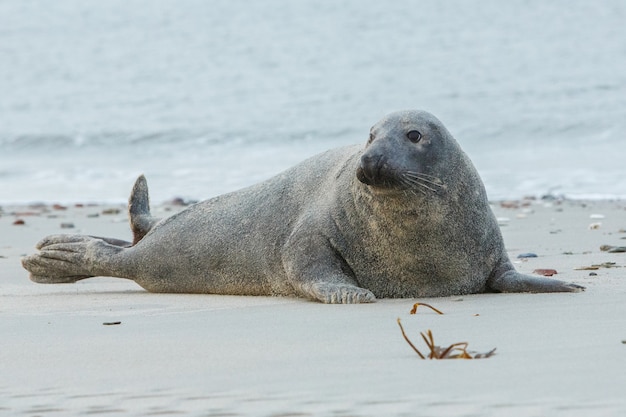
column 407, row 216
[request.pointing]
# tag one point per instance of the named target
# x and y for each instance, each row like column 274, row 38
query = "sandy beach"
column 104, row 346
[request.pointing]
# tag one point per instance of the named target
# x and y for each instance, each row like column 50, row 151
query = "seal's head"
column 404, row 152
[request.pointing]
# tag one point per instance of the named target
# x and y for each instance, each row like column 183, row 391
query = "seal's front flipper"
column 316, row 271
column 513, row 281
column 141, row 221
column 324, row 283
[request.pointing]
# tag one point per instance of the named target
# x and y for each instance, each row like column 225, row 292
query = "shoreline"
column 178, row 200
column 557, row 354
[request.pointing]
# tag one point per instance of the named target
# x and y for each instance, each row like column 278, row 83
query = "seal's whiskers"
column 421, row 174
column 410, row 181
column 436, row 181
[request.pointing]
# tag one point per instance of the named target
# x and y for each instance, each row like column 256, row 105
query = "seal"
column 405, row 216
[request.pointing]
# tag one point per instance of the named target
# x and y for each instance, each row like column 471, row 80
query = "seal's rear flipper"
column 66, row 259
column 513, row 281
column 141, row 221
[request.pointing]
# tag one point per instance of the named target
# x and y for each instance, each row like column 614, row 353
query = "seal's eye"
column 414, row 136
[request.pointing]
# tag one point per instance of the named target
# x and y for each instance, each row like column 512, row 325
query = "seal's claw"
column 342, row 294
column 39, row 279
column 53, row 239
column 46, row 270
column 513, row 281
column 574, row 288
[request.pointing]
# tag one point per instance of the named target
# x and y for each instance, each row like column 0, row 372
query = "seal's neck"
column 391, row 203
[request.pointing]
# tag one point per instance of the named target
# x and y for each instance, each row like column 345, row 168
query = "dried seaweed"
column 414, row 309
column 598, row 266
column 454, row 351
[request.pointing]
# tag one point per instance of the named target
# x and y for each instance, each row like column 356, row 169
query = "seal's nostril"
column 366, row 159
column 360, row 175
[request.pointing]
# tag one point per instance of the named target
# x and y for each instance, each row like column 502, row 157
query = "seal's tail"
column 141, row 221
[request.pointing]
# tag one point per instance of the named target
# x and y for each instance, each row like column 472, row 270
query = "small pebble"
column 181, row 202
column 111, row 323
column 19, row 222
column 613, row 249
column 595, row 226
column 59, row 207
column 67, row 225
column 527, row 255
column 93, row 215
column 111, row 211
column 177, row 201
column 593, row 274
column 545, row 272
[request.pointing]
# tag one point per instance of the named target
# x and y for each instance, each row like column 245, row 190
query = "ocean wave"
column 43, row 142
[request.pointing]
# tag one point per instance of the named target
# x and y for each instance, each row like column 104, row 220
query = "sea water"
column 205, row 97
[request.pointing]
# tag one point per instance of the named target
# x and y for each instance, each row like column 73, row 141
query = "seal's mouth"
column 362, row 176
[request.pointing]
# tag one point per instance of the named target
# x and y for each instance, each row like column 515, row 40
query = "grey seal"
column 405, row 216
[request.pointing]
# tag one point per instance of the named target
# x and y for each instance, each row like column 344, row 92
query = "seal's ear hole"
column 414, row 136
column 371, row 139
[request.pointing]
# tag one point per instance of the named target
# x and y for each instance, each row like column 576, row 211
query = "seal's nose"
column 369, row 168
